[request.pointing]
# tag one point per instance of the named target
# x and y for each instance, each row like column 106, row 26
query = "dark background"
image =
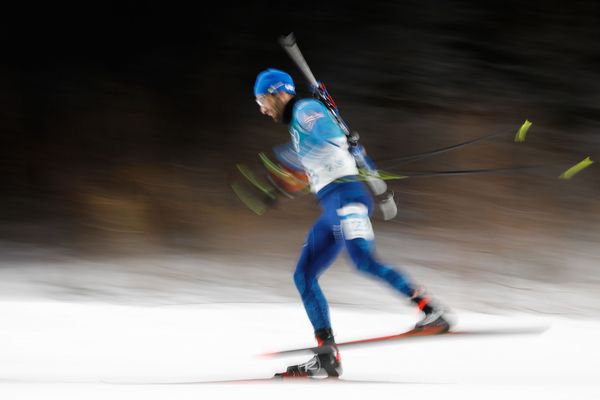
column 122, row 124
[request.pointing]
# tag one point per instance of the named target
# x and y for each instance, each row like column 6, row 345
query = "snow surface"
column 63, row 350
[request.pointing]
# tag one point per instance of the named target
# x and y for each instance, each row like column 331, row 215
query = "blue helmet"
column 271, row 81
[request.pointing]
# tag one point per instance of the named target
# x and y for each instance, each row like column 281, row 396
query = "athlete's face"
column 272, row 105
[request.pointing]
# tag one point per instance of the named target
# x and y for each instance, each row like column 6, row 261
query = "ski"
column 297, row 380
column 411, row 335
column 254, row 381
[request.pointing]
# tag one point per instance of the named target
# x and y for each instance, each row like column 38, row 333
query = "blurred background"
column 121, row 127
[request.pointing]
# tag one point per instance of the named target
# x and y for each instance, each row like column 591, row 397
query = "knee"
column 361, row 253
column 363, row 262
column 366, row 262
column 299, row 279
column 302, row 281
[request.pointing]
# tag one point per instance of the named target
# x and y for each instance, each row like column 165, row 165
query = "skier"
column 321, row 150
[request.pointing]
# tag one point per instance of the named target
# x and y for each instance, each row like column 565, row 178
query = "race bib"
column 355, row 222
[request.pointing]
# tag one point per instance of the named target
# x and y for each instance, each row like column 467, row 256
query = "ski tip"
column 569, row 173
column 526, row 330
column 520, row 136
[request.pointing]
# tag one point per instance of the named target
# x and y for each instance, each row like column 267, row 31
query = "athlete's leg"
column 359, row 241
column 353, row 211
column 322, row 246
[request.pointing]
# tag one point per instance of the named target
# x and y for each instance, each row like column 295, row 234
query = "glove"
column 353, row 139
column 387, row 205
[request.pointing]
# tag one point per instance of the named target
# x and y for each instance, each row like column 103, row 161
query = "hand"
column 353, row 138
column 387, row 205
column 287, row 180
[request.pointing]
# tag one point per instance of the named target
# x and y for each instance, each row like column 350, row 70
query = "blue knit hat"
column 273, row 81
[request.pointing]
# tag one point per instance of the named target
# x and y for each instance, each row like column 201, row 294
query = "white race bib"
column 355, row 222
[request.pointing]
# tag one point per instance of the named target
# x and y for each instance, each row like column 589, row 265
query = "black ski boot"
column 325, row 364
column 435, row 316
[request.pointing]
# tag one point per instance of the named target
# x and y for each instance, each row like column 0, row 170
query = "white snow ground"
column 63, row 350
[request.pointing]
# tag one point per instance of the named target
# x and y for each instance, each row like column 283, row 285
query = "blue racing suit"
column 320, row 148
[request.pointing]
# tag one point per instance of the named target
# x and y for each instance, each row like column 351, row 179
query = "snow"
column 72, row 350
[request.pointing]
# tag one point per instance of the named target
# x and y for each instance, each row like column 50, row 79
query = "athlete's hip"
column 349, row 189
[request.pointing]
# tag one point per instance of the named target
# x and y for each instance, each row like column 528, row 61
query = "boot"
column 435, row 316
column 325, row 364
